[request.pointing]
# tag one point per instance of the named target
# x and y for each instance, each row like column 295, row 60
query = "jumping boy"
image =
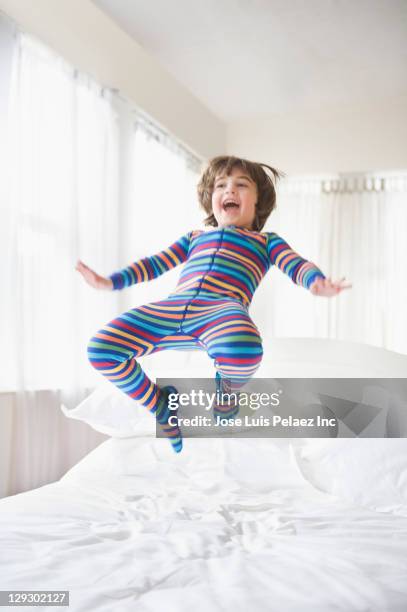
column 209, row 307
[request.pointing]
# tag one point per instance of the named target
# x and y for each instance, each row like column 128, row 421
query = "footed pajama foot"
column 226, row 411
column 163, row 413
column 223, row 410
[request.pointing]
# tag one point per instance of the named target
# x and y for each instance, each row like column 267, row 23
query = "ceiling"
column 247, row 59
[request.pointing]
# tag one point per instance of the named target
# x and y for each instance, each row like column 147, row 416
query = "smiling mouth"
column 230, row 205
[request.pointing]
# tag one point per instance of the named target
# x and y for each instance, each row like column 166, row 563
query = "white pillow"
column 113, row 413
column 213, row 465
column 370, row 472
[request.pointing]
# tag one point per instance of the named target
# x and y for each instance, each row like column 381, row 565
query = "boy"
column 208, row 309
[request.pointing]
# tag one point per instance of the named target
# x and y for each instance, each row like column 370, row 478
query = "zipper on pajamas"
column 202, row 279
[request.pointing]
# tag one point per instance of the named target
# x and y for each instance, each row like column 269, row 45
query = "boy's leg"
column 226, row 405
column 233, row 341
column 137, row 332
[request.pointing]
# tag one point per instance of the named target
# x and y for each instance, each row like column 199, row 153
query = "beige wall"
column 347, row 140
column 86, row 37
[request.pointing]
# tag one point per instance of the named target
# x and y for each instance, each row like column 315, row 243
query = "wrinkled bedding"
column 226, row 525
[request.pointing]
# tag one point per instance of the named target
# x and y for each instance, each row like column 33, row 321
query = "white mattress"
column 227, row 524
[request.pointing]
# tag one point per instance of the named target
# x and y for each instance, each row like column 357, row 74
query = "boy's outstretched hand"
column 326, row 288
column 93, row 278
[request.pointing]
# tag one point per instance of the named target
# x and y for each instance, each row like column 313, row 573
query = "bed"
column 259, row 524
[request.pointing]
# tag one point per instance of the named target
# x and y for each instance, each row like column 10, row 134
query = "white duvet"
column 225, row 525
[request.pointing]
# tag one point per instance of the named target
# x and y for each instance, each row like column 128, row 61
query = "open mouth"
column 230, row 205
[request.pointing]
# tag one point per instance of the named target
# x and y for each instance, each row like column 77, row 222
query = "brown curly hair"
column 266, row 193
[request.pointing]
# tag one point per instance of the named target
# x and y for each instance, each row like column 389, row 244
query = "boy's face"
column 234, row 199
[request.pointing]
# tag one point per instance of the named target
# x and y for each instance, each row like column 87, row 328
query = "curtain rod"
column 352, row 182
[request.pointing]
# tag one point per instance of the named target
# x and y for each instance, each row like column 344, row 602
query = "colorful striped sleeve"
column 151, row 267
column 301, row 271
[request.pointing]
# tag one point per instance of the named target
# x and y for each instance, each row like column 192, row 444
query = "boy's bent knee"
column 105, row 355
column 91, row 351
column 260, row 353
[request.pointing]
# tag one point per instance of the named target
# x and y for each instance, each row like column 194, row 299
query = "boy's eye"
column 223, row 184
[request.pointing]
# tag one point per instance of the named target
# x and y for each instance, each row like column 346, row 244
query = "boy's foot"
column 163, row 413
column 224, row 410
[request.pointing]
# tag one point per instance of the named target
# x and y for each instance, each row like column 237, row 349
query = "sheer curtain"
column 60, row 202
column 352, row 226
column 73, row 158
column 161, row 206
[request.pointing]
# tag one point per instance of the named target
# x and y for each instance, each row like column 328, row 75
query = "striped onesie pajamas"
column 208, row 310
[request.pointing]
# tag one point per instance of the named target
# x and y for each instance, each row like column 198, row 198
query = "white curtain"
column 161, row 207
column 60, row 202
column 71, row 162
column 352, row 226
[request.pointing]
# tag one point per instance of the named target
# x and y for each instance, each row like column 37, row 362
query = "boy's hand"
column 92, row 278
column 325, row 287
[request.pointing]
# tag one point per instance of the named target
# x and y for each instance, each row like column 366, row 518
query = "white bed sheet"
column 134, row 527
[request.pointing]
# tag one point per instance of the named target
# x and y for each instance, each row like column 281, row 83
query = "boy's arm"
column 301, row 271
column 151, row 267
